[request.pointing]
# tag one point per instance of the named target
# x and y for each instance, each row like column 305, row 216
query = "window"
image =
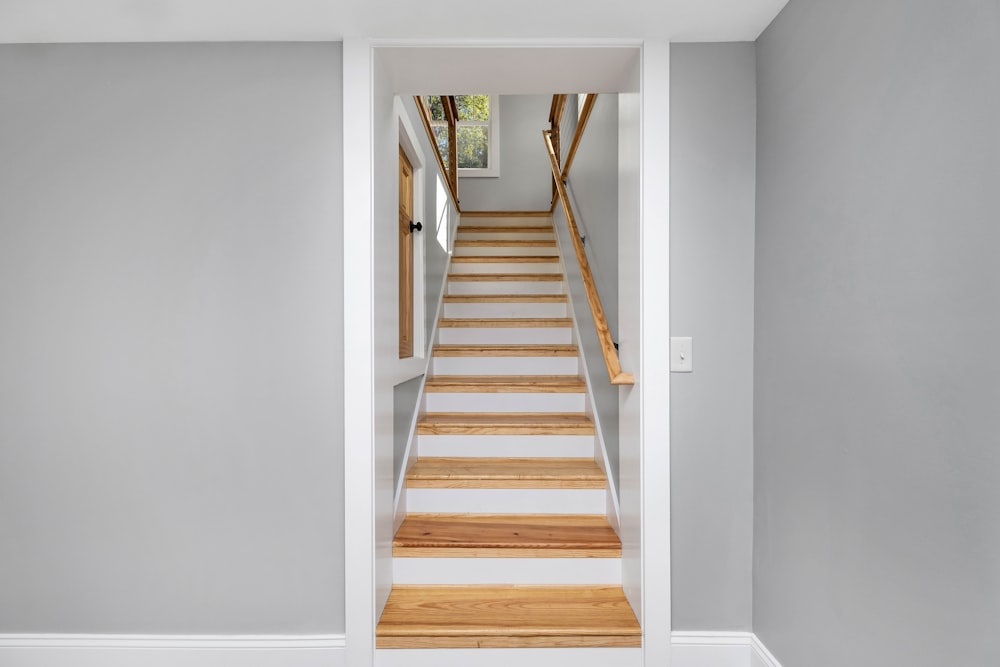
column 476, row 133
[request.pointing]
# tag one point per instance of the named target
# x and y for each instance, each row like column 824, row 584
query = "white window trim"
column 493, row 170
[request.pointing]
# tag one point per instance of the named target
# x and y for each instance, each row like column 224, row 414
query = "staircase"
column 506, row 541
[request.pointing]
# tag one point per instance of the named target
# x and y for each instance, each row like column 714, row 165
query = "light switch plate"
column 680, row 355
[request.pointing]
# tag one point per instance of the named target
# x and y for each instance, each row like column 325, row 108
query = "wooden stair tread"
column 504, row 322
column 511, row 229
column 506, row 350
column 535, row 384
column 506, row 616
column 505, row 277
column 505, row 259
column 506, row 535
column 505, row 423
column 503, row 243
column 505, row 298
column 504, row 473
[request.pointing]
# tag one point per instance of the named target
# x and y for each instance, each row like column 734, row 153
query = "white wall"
column 170, row 291
column 525, row 182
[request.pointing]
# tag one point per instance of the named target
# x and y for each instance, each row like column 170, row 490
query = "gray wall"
column 877, row 467
column 170, row 292
column 712, row 180
column 525, row 177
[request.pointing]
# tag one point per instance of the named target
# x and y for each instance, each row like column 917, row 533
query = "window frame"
column 492, row 170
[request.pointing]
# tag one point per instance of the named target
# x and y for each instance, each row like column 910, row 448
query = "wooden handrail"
column 448, row 179
column 615, row 373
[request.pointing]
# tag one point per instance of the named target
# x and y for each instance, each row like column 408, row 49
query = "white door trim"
column 359, row 465
column 650, row 367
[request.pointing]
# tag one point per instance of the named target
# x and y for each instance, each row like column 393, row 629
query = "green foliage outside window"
column 472, row 133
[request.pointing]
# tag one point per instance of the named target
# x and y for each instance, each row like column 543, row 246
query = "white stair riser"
column 505, row 657
column 499, row 335
column 519, row 250
column 506, row 365
column 503, row 267
column 506, row 221
column 507, row 501
column 539, row 235
column 541, row 571
column 504, row 402
column 505, row 287
column 480, row 309
column 493, row 446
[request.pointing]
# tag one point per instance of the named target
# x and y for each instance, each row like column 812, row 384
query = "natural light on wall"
column 441, row 198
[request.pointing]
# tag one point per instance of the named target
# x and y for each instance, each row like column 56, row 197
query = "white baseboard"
column 719, row 649
column 760, row 656
column 172, row 651
column 690, row 649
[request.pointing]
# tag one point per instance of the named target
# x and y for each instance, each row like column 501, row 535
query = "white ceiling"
column 321, row 20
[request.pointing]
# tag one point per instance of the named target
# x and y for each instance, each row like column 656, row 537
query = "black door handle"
column 416, row 227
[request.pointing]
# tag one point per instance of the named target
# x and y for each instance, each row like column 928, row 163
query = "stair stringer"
column 399, row 500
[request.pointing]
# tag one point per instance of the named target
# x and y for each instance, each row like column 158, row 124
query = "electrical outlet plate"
column 680, row 355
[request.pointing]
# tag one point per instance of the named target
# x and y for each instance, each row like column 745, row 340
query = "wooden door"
column 405, row 256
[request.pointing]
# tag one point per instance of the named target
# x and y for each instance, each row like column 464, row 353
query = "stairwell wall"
column 523, row 184
column 171, row 294
column 593, row 184
column 439, row 218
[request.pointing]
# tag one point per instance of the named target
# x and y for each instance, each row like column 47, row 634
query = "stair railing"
column 611, row 361
column 450, row 171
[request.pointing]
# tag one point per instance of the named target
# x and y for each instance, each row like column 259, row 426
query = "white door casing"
column 370, row 361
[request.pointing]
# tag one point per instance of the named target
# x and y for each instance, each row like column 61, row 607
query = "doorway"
column 374, row 75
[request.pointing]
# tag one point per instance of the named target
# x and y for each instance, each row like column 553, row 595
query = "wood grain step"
column 505, row 277
column 505, row 298
column 507, row 617
column 505, row 423
column 507, row 384
column 504, row 473
column 506, row 536
column 500, row 243
column 505, row 259
column 506, row 350
column 504, row 322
